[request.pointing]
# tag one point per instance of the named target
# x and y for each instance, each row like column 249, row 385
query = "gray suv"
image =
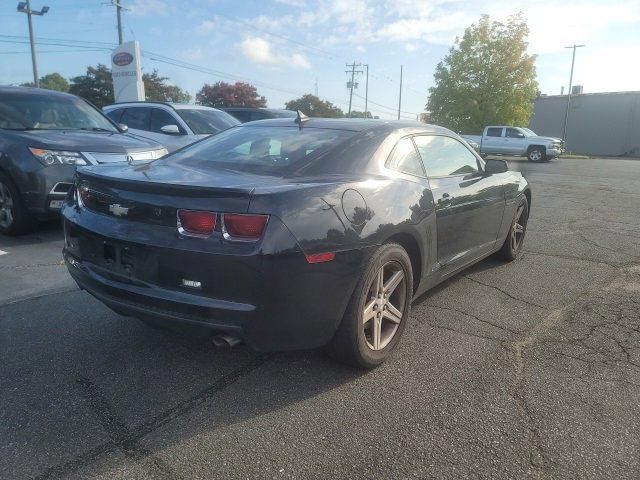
column 174, row 125
column 43, row 136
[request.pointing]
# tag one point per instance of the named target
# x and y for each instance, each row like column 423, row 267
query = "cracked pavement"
column 521, row 370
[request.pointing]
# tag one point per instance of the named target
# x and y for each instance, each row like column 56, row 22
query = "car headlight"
column 58, row 157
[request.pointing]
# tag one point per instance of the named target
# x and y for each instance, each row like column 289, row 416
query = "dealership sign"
column 126, row 73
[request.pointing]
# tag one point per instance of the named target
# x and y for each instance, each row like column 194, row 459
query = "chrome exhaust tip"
column 222, row 340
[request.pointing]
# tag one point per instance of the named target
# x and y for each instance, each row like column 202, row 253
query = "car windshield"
column 206, row 122
column 260, row 149
column 50, row 112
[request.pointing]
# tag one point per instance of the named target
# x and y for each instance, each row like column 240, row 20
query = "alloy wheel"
column 6, row 206
column 535, row 155
column 384, row 305
column 517, row 230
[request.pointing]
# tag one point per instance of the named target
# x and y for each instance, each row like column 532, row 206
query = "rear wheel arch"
column 527, row 193
column 411, row 246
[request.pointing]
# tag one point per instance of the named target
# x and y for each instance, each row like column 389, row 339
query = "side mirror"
column 123, row 128
column 170, row 130
column 493, row 165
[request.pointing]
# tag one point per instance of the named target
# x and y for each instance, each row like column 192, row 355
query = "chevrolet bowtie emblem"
column 118, row 210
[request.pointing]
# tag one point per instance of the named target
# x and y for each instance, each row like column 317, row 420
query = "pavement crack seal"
column 536, row 454
column 504, row 292
column 475, row 317
column 128, row 439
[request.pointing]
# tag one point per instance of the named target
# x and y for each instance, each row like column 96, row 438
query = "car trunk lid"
column 153, row 194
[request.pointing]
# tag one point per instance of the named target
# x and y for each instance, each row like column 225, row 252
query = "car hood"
column 547, row 139
column 84, row 141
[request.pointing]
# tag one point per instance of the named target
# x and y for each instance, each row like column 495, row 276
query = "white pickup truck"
column 517, row 141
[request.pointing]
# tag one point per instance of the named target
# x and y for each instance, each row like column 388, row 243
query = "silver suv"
column 173, row 125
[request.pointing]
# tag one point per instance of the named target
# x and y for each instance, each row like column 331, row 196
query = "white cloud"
column 292, row 3
column 205, row 27
column 148, row 7
column 259, row 50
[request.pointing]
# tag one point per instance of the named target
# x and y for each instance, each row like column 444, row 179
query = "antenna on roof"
column 301, row 119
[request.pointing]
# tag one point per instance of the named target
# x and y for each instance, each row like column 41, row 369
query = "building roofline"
column 564, row 95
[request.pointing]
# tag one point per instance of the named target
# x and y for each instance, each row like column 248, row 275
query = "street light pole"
column 25, row 7
column 566, row 113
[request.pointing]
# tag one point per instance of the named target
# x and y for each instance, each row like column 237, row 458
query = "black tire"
column 14, row 216
column 351, row 344
column 537, row 154
column 510, row 251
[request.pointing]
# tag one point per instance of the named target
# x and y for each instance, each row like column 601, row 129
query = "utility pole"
column 400, row 99
column 366, row 93
column 25, row 7
column 566, row 113
column 316, row 86
column 352, row 84
column 119, row 8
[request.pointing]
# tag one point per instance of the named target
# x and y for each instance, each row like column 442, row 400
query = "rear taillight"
column 243, row 227
column 195, row 223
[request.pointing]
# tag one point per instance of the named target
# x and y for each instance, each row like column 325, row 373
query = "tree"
column 96, row 86
column 487, row 78
column 222, row 94
column 157, row 90
column 314, row 107
column 52, row 81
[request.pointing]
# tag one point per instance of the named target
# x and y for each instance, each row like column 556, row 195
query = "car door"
column 469, row 204
column 492, row 142
column 172, row 141
column 137, row 119
column 514, row 141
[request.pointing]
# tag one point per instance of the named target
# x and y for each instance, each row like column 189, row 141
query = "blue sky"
column 285, row 46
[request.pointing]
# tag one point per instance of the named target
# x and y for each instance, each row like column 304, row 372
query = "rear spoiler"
column 148, row 186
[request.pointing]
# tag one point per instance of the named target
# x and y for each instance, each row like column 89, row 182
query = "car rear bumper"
column 272, row 302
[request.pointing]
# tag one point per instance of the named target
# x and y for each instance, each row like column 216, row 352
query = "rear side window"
column 261, row 149
column 161, row 118
column 444, row 156
column 404, row 158
column 137, row 118
column 494, row 132
column 115, row 114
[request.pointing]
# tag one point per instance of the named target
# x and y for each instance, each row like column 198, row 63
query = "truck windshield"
column 51, row 112
column 530, row 132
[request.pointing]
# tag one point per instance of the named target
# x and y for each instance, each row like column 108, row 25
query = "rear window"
column 263, row 149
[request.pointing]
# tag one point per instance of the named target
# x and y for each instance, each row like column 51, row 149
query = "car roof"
column 354, row 124
column 175, row 106
column 255, row 109
column 35, row 92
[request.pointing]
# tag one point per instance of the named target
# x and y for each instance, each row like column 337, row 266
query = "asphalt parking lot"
column 525, row 370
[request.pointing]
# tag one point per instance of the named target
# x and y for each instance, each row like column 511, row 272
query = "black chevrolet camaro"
column 293, row 234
